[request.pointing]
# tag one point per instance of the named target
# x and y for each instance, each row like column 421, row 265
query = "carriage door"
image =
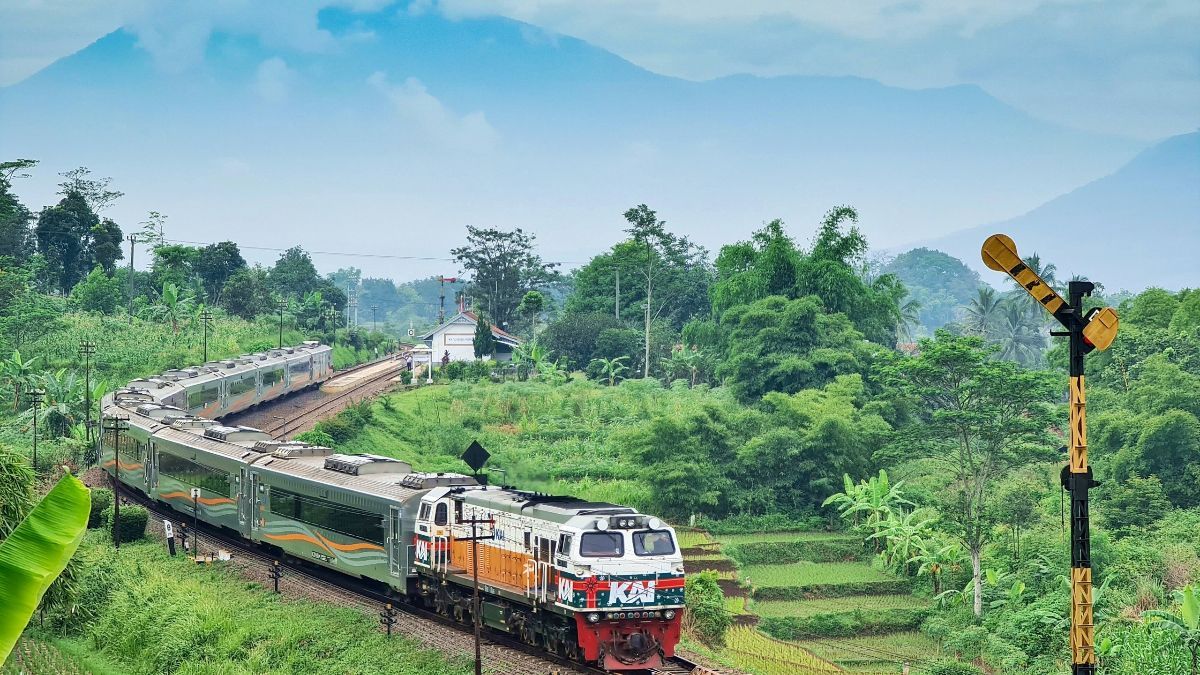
column 397, row 547
column 151, row 466
column 248, row 501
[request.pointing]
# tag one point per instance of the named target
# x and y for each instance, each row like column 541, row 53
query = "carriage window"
column 299, row 367
column 192, row 473
column 654, row 542
column 272, row 377
column 198, row 398
column 241, row 386
column 439, row 517
column 346, row 520
column 601, row 544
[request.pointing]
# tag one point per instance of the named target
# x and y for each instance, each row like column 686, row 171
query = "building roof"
column 473, row 319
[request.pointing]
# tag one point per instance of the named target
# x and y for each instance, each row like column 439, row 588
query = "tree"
column 1168, row 447
column 532, row 304
column 1018, row 333
column 982, row 312
column 1132, row 505
column 940, row 283
column 1185, row 624
column 776, row 344
column 935, row 556
column 294, row 275
column 977, row 419
column 658, row 252
column 484, row 342
column 503, row 266
column 104, row 247
column 63, row 236
column 247, row 293
column 686, row 458
column 215, row 264
column 174, row 264
column 95, row 191
column 16, row 241
column 835, row 272
column 99, row 292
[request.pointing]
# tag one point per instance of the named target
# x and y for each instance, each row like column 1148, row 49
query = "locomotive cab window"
column 440, row 515
column 602, row 545
column 423, row 514
column 564, row 545
column 654, row 542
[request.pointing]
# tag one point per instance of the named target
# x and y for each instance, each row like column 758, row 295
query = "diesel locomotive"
column 594, row 582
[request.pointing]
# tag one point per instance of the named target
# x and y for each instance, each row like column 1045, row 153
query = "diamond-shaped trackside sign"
column 475, row 456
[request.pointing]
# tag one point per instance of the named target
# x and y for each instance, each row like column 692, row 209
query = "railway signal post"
column 1085, row 332
column 282, row 306
column 116, row 424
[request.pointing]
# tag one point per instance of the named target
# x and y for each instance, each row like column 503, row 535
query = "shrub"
column 133, row 522
column 843, row 624
column 775, row 552
column 775, row 522
column 705, row 602
column 316, row 437
column 953, row 668
column 101, row 500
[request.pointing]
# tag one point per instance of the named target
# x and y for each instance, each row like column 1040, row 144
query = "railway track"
column 509, row 653
column 325, row 406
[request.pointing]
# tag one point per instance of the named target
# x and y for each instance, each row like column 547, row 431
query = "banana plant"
column 17, row 373
column 33, row 556
column 1185, row 623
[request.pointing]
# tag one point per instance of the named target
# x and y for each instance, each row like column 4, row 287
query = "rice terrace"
column 412, row 337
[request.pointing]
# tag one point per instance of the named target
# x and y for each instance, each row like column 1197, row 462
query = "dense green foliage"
column 939, row 284
column 706, row 608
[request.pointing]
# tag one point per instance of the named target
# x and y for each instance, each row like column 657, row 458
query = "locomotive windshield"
column 601, row 545
column 654, row 542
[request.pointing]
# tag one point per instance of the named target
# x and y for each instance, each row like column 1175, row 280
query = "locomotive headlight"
column 601, row 524
column 654, row 523
column 594, row 617
column 669, row 614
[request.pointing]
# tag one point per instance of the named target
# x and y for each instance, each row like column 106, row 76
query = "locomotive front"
column 622, row 574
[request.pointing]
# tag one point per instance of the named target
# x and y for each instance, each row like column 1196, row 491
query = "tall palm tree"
column 17, row 373
column 983, row 310
column 910, row 318
column 1018, row 333
column 1185, row 623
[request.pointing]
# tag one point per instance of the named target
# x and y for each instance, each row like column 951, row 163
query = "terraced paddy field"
column 803, row 609
column 880, row 653
column 760, row 537
column 812, row 574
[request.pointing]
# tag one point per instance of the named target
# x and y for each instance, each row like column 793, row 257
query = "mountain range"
column 399, row 129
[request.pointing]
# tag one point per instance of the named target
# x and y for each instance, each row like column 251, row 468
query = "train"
column 594, row 582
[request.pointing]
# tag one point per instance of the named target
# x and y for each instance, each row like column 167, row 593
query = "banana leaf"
column 33, row 556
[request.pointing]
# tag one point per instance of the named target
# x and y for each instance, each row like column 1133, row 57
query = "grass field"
column 808, row 574
column 692, row 538
column 748, row 648
column 181, row 618
column 806, row 608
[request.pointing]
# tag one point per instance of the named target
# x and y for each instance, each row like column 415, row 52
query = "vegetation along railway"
column 591, row 583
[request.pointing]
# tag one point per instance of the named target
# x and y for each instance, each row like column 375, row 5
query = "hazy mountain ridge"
column 1137, row 227
column 505, row 124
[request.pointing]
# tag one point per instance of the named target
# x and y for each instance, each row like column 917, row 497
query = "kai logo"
column 627, row 592
column 566, row 590
column 422, row 550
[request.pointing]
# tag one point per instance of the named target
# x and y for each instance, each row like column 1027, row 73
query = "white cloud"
column 433, row 121
column 273, row 79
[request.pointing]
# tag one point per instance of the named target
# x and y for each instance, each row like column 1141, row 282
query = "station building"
column 457, row 336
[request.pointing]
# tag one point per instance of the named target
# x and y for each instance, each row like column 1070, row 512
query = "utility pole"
column 1095, row 330
column 282, row 306
column 206, row 319
column 474, row 539
column 442, row 297
column 87, row 349
column 116, row 424
column 373, row 308
column 129, row 282
column 617, row 296
column 35, row 398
